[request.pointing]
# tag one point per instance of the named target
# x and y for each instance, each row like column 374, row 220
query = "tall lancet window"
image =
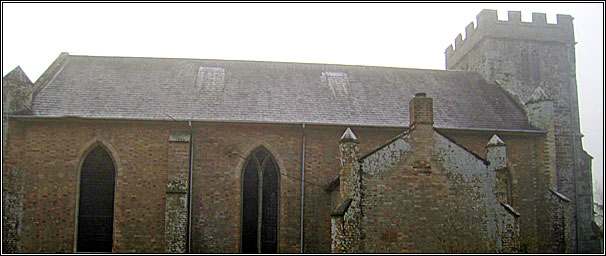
column 530, row 65
column 96, row 204
column 260, row 200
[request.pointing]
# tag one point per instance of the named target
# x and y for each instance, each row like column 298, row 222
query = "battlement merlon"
column 488, row 25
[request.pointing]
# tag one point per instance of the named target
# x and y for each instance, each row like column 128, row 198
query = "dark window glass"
column 260, row 155
column 269, row 231
column 250, row 208
column 260, row 164
column 96, row 206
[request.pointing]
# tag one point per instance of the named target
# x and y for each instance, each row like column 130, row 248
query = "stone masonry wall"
column 522, row 56
column 526, row 156
column 176, row 216
column 17, row 92
column 424, row 197
column 12, row 194
column 16, row 96
column 505, row 70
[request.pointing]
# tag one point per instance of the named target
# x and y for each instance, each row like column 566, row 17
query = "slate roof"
column 273, row 92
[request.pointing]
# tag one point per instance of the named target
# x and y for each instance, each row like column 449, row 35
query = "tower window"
column 530, row 66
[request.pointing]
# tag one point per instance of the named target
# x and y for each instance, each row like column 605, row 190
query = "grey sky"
column 397, row 35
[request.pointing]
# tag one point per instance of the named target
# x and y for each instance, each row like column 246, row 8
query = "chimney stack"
column 421, row 109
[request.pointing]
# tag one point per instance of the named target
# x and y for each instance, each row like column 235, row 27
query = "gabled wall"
column 423, row 193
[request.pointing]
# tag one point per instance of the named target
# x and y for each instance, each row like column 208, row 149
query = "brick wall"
column 220, row 153
column 48, row 154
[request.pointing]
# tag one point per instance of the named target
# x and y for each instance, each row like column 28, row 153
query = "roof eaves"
column 203, row 120
column 537, row 131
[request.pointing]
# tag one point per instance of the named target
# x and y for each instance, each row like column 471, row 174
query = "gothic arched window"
column 96, row 204
column 260, row 196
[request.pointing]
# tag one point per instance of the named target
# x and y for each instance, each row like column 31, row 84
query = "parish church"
column 165, row 155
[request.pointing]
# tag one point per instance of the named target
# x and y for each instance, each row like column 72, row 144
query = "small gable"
column 18, row 75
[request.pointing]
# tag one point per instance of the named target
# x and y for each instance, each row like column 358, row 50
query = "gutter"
column 492, row 130
column 202, row 120
column 302, row 183
column 272, row 122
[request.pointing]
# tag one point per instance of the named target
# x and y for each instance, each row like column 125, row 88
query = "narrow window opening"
column 525, row 65
column 535, row 65
column 96, row 204
column 260, row 199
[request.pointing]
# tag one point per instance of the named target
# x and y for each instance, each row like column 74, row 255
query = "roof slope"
column 251, row 91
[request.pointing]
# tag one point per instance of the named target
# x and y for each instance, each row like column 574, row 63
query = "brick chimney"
column 421, row 110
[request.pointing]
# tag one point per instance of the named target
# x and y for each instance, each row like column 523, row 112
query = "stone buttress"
column 345, row 218
column 176, row 213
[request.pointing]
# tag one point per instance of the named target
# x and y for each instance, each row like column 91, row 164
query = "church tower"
column 522, row 57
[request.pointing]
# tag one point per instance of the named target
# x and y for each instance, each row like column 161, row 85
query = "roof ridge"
column 277, row 62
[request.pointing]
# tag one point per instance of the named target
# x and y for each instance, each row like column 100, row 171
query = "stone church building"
column 160, row 155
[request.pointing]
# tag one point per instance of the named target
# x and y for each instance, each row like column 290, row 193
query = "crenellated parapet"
column 488, row 25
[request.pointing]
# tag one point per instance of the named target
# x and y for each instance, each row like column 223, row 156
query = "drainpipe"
column 302, row 183
column 191, row 169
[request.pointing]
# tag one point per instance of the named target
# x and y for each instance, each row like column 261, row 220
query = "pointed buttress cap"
column 495, row 141
column 349, row 136
column 538, row 95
